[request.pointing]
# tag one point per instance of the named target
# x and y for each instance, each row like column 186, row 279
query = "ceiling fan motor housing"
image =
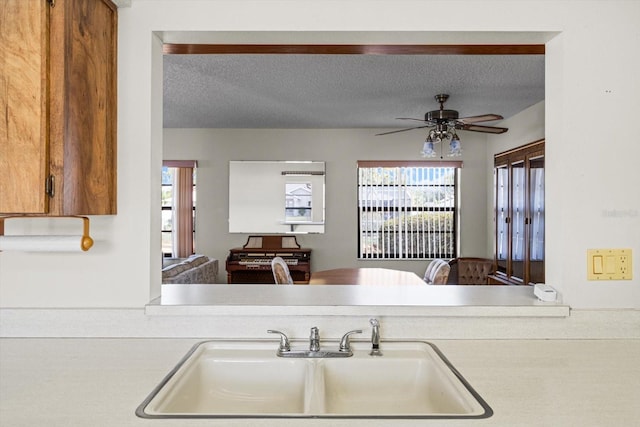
column 439, row 115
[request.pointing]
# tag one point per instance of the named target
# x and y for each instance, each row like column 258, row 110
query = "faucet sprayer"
column 375, row 338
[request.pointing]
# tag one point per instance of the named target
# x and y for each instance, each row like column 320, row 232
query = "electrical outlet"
column 623, row 263
column 609, row 264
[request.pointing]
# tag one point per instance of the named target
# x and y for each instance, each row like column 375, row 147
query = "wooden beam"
column 351, row 49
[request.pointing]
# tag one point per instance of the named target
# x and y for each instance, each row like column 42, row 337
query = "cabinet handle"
column 49, row 186
column 52, row 3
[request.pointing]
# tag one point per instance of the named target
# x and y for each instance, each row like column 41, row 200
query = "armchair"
column 470, row 271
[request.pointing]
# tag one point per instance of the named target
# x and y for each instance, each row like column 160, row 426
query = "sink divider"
column 315, row 389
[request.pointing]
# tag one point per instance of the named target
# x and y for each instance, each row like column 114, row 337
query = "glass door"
column 519, row 215
column 518, row 219
column 502, row 217
column 536, row 220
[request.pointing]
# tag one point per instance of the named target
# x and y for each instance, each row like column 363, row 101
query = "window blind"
column 407, row 210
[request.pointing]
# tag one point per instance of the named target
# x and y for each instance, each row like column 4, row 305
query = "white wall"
column 592, row 69
column 340, row 149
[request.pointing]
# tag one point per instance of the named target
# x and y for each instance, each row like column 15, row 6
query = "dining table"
column 365, row 276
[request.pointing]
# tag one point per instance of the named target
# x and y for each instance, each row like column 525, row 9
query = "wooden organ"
column 252, row 262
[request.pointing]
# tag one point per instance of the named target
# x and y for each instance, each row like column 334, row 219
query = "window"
column 407, row 209
column 297, row 198
column 178, row 208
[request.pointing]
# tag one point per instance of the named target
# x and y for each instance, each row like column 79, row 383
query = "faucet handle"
column 345, row 345
column 284, row 341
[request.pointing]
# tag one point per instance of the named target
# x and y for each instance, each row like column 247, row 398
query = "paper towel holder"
column 86, row 242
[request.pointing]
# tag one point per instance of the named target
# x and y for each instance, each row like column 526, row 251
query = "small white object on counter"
column 544, row 292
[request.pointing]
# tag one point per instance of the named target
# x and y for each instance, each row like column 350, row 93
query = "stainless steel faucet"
column 314, row 351
column 375, row 338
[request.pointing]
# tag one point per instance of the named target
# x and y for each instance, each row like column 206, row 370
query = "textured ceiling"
column 342, row 91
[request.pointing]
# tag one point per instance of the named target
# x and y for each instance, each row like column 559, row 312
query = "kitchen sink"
column 246, row 379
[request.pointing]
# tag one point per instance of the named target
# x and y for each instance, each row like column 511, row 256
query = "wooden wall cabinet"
column 519, row 215
column 58, row 82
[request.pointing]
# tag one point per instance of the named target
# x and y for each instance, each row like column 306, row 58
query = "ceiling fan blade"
column 480, row 128
column 481, row 118
column 401, row 130
column 409, row 118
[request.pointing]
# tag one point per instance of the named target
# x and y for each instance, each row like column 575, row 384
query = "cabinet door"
column 83, row 106
column 536, row 220
column 518, row 219
column 519, row 215
column 502, row 217
column 24, row 163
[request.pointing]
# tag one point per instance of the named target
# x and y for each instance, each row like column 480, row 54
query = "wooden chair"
column 281, row 273
column 470, row 271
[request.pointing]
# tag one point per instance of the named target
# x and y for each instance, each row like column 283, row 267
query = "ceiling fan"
column 446, row 122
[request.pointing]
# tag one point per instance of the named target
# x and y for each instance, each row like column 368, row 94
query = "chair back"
column 437, row 272
column 281, row 273
column 470, row 271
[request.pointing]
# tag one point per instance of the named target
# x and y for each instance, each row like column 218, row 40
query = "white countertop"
column 100, row 382
column 456, row 301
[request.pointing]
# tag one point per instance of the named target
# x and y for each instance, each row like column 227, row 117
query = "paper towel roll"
column 51, row 243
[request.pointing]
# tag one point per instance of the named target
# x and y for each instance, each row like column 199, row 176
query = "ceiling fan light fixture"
column 455, row 147
column 427, row 148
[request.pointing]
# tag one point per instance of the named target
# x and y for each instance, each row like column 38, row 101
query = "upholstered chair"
column 470, row 271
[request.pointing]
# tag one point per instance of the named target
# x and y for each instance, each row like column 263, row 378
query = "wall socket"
column 609, row 264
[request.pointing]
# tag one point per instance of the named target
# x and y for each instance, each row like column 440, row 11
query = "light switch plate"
column 609, row 264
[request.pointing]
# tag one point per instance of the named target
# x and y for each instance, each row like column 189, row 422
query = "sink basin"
column 401, row 385
column 247, row 379
column 220, row 379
